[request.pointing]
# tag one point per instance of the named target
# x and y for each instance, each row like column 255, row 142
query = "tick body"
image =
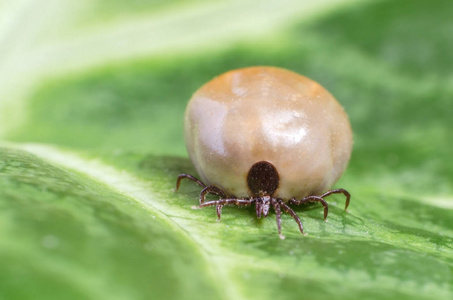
column 267, row 137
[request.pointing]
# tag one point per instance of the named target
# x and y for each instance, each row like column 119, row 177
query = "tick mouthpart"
column 262, row 205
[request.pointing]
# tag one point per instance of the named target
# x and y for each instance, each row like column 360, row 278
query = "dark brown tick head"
column 263, row 181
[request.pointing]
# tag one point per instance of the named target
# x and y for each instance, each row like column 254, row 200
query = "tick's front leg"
column 278, row 213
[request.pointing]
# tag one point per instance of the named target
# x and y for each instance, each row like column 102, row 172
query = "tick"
column 267, row 137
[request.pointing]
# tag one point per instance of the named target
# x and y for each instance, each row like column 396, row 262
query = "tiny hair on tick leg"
column 267, row 137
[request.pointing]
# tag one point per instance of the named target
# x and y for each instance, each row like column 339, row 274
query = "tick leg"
column 220, row 203
column 339, row 191
column 219, row 212
column 238, row 202
column 278, row 214
column 292, row 213
column 215, row 191
column 312, row 199
column 212, row 190
column 190, row 177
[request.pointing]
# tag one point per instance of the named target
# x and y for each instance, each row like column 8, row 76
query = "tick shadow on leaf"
column 166, row 166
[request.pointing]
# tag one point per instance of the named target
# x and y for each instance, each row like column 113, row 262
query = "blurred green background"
column 92, row 96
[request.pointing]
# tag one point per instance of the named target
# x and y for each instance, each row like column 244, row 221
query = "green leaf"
column 90, row 154
column 66, row 236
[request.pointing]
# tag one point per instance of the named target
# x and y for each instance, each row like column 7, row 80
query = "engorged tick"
column 269, row 137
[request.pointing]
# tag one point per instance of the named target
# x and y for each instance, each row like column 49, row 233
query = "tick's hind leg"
column 206, row 189
column 321, row 199
column 190, row 177
column 312, row 199
column 339, row 191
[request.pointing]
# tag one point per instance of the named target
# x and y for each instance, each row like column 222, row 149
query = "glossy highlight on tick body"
column 268, row 137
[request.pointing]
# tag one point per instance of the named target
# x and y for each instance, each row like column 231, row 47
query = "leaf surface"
column 89, row 158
